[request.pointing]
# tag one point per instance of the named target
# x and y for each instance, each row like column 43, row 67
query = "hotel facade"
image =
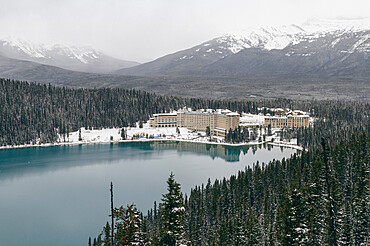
column 290, row 119
column 218, row 121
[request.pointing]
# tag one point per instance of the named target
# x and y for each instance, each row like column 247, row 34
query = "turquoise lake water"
column 60, row 195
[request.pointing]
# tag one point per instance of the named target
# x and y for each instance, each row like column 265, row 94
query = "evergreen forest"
column 317, row 197
column 31, row 112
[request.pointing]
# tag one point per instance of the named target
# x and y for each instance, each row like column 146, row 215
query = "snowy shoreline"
column 149, row 134
column 282, row 144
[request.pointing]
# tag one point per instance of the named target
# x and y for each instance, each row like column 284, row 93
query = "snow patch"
column 82, row 54
column 270, row 38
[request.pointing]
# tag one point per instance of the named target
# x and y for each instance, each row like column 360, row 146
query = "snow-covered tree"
column 128, row 226
column 172, row 213
column 123, row 134
column 253, row 230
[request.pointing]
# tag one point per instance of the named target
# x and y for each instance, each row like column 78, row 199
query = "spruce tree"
column 107, row 238
column 123, row 133
column 172, row 215
column 128, row 226
column 313, row 204
column 253, row 230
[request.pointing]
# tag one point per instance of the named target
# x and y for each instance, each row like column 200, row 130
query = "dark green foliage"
column 172, row 215
column 208, row 131
column 128, row 226
column 31, row 113
column 297, row 201
column 123, row 134
column 107, row 237
column 318, row 197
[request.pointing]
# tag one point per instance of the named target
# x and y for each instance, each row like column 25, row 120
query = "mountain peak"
column 84, row 59
column 318, row 47
column 315, row 25
column 279, row 37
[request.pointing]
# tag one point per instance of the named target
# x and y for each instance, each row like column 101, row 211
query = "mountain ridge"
column 83, row 59
column 345, row 37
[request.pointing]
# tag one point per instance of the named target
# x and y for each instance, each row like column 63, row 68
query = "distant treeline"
column 31, row 111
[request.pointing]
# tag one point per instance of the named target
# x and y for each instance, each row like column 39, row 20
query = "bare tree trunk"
column 111, row 207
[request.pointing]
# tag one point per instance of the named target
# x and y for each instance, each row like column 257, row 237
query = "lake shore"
column 281, row 144
column 150, row 134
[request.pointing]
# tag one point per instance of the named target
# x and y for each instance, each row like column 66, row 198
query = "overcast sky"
column 142, row 30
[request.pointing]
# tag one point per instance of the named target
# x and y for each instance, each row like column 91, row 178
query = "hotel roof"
column 165, row 114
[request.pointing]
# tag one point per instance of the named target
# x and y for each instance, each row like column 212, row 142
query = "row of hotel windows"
column 166, row 125
column 166, row 120
column 274, row 124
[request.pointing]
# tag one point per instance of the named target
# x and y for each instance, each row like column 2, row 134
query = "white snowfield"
column 82, row 54
column 279, row 37
column 105, row 135
column 251, row 119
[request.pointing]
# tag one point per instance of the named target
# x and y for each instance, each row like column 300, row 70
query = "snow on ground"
column 148, row 133
column 251, row 119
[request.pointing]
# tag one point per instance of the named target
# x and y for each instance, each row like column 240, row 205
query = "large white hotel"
column 219, row 121
column 288, row 119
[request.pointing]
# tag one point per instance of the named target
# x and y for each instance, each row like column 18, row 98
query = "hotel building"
column 289, row 120
column 219, row 121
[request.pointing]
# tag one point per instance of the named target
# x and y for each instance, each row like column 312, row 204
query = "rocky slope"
column 316, row 48
column 83, row 59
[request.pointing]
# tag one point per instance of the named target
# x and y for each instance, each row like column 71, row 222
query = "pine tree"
column 346, row 235
column 123, row 133
column 331, row 237
column 128, row 224
column 313, row 204
column 292, row 225
column 225, row 233
column 107, row 237
column 361, row 198
column 208, row 131
column 240, row 232
column 172, row 215
column 253, row 230
column 269, row 132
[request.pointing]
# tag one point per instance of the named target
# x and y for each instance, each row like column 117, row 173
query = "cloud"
column 146, row 29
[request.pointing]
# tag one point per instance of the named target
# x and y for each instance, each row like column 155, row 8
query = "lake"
column 60, row 195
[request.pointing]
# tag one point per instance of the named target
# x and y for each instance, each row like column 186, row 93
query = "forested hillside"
column 316, row 198
column 319, row 197
column 31, row 112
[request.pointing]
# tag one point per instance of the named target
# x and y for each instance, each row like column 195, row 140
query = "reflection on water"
column 15, row 162
column 229, row 154
column 60, row 195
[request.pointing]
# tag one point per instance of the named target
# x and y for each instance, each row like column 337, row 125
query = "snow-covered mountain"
column 84, row 59
column 316, row 42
